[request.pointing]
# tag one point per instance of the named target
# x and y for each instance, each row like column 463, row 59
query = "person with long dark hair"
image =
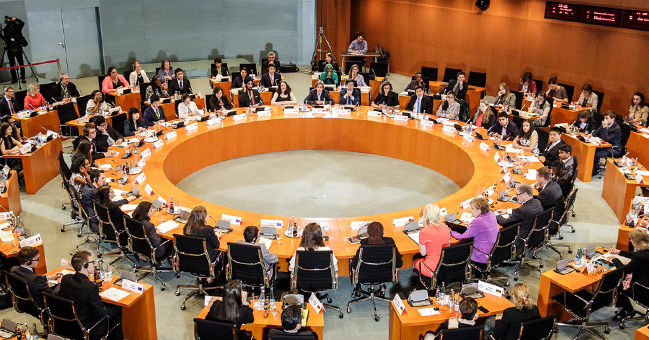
column 375, row 237
column 242, row 79
column 105, row 197
column 587, row 98
column 133, row 124
column 449, row 108
column 79, row 173
column 10, row 146
column 197, row 226
column 386, row 98
column 219, row 100
column 311, row 241
column 166, row 72
column 143, row 213
column 527, row 84
column 540, row 106
column 233, row 308
column 528, row 138
column 283, row 95
column 638, row 111
column 113, row 81
column 156, row 88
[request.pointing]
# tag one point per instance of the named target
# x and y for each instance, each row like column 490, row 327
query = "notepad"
column 128, row 207
column 266, row 242
column 414, row 237
column 428, row 311
column 167, row 226
column 114, row 294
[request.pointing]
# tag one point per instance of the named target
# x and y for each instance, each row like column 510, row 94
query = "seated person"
column 89, row 193
column 29, row 257
column 248, row 96
column 105, row 196
column 483, row 229
column 329, row 60
column 292, row 324
column 587, row 98
column 542, row 107
column 525, row 213
column 87, row 149
column 219, row 69
column 251, row 237
column 90, row 135
column 87, row 302
column 468, row 317
column 113, row 81
column 179, row 85
column 505, row 129
column 375, row 237
column 565, row 155
column 433, row 237
column 187, row 108
column 318, row 96
column 196, row 226
column 8, row 103
column 354, row 74
column 312, row 241
column 218, row 101
column 420, row 103
column 585, row 122
column 527, row 84
column 154, row 113
column 556, row 92
column 34, row 99
column 549, row 190
column 270, row 78
column 456, row 86
column 350, row 95
column 283, row 95
column 329, row 76
column 638, row 111
column 358, row 45
column 242, row 79
column 505, row 97
column 609, row 132
column 79, row 173
column 562, row 177
column 386, row 98
column 508, row 325
column 9, row 145
column 528, row 138
column 143, row 213
column 634, row 271
column 138, row 76
column 484, row 116
column 233, row 307
column 106, row 135
column 551, row 151
column 133, row 124
column 64, row 89
column 166, row 72
column 156, row 88
column 418, row 81
column 96, row 105
column 449, row 108
column 271, row 60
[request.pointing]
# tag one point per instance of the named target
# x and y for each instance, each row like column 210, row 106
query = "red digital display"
column 563, row 11
column 602, row 16
column 637, row 20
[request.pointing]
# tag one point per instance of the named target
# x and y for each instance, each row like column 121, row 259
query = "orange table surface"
column 40, row 166
column 10, row 199
column 31, row 126
column 618, row 191
column 12, row 249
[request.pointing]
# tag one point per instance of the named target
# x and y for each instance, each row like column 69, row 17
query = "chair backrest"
column 192, row 256
column 640, row 294
column 314, row 271
column 376, row 264
column 143, row 88
column 505, row 248
column 464, row 114
column 66, row 112
column 100, row 79
column 626, row 132
column 606, row 293
column 208, row 98
column 518, row 120
column 543, row 138
column 454, row 263
column 20, row 98
column 46, row 91
column 519, row 99
column 478, row 79
column 63, row 317
column 538, row 329
column 600, row 99
column 429, row 72
column 82, row 102
column 138, row 240
column 272, row 336
column 450, row 73
column 64, row 169
column 208, row 329
column 252, row 68
column 380, row 69
column 537, row 234
column 464, row 333
column 570, row 90
column 22, row 299
column 367, row 77
column 235, row 75
column 106, row 229
column 539, row 85
column 246, row 263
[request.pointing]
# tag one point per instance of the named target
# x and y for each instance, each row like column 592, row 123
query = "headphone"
column 85, row 265
column 28, row 263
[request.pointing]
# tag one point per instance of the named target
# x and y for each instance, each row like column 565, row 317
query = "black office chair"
column 314, row 272
column 143, row 88
column 46, row 91
column 207, row 102
column 503, row 251
column 570, row 90
column 109, row 232
column 92, row 237
column 20, row 99
column 117, row 121
column 519, row 99
column 464, row 114
column 376, row 265
column 538, row 329
column 291, row 336
column 534, row 241
column 539, row 85
column 582, row 303
column 66, row 113
column 246, row 263
column 600, row 99
column 208, row 330
column 82, row 102
column 100, row 79
column 75, row 205
column 380, row 69
column 22, row 299
column 464, row 333
column 450, row 73
column 139, row 243
column 478, row 79
column 453, row 266
column 639, row 293
column 544, row 136
column 64, row 172
column 191, row 257
column 518, row 121
column 252, row 68
column 560, row 219
column 616, row 151
column 367, row 77
column 64, row 321
column 429, row 72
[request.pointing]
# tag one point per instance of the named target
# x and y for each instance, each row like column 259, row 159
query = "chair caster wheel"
column 376, row 318
column 509, row 297
column 515, row 279
column 349, row 309
column 63, row 208
column 163, row 288
column 541, row 265
column 621, row 326
column 607, row 331
column 573, row 230
column 561, row 237
column 62, row 230
column 182, row 307
column 177, row 293
column 177, row 275
column 340, row 315
column 328, row 300
column 99, row 255
column 507, row 283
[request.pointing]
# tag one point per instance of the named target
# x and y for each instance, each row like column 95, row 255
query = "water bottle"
column 135, row 149
column 262, row 296
column 171, row 205
column 451, row 299
column 578, row 257
column 272, row 301
column 442, row 292
column 178, row 206
column 457, row 304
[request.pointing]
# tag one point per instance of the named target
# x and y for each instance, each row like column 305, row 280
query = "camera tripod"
column 22, row 50
column 317, row 51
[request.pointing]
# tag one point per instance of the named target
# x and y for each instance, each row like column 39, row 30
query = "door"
column 70, row 35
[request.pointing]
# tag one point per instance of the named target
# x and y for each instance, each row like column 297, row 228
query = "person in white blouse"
column 187, row 108
column 138, row 76
column 311, row 240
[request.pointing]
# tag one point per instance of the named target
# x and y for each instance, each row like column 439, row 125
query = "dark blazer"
column 214, row 105
column 461, row 94
column 508, row 327
column 510, row 133
column 101, row 142
column 387, row 240
column 96, row 154
column 174, row 87
column 57, row 91
column 244, row 98
column 4, row 106
column 150, row 117
column 238, row 83
column 213, row 243
column 265, row 79
column 549, row 195
column 392, row 99
column 313, row 97
column 426, row 104
column 264, row 66
column 88, row 194
column 78, row 288
column 564, row 183
column 552, row 154
column 612, row 134
column 356, row 94
column 117, row 217
column 245, row 314
column 131, row 132
column 590, row 125
column 301, row 333
column 37, row 283
column 154, row 237
column 525, row 215
column 224, row 71
column 413, row 84
column 637, row 266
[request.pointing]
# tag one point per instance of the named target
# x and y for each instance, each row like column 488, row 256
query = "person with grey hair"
column 525, row 214
column 271, row 60
column 549, row 190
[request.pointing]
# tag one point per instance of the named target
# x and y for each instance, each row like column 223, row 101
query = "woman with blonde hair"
column 311, row 240
column 435, row 236
column 509, row 325
column 634, row 271
column 34, row 99
column 138, row 76
column 484, row 117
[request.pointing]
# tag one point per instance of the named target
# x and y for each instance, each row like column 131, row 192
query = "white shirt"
column 132, row 78
column 184, row 111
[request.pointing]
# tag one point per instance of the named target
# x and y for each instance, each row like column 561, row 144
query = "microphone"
column 213, row 220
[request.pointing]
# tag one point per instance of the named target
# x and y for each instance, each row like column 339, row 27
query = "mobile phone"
column 482, row 309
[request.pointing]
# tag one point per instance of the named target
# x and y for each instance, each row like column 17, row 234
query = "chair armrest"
column 97, row 323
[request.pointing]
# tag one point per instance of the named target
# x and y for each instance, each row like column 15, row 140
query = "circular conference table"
column 447, row 153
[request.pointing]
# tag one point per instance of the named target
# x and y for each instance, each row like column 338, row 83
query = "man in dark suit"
column 505, row 129
column 549, row 190
column 292, row 324
column 565, row 156
column 420, row 103
column 551, row 152
column 525, row 214
column 271, row 78
column 458, row 86
column 90, row 135
column 29, row 257
column 85, row 294
column 89, row 194
column 318, row 96
column 249, row 96
column 179, row 85
column 106, row 135
column 64, row 89
column 418, row 81
column 154, row 112
column 272, row 60
column 609, row 132
column 350, row 95
column 219, row 69
column 8, row 104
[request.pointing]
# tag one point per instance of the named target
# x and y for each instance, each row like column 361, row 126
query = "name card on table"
column 191, row 127
column 398, row 304
column 341, row 112
column 466, row 204
column 639, row 178
column 141, row 163
column 374, row 114
column 399, row 118
column 132, row 286
column 162, row 200
column 6, row 215
column 490, row 289
column 145, row 153
column 496, row 157
column 507, row 177
column 468, row 137
column 315, row 303
column 158, row 143
column 484, row 146
column 355, row 225
column 292, row 111
column 236, row 220
column 239, row 117
column 148, row 189
column 171, row 135
column 308, row 114
column 449, row 129
column 27, row 148
column 36, row 239
column 213, row 121
column 272, row 223
column 443, row 211
column 319, row 110
column 400, row 222
column 264, row 113
column 427, row 123
column 140, row 179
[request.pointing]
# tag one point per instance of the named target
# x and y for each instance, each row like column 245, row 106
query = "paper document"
column 266, row 242
column 624, row 260
column 128, row 207
column 428, row 311
column 164, row 227
column 414, row 237
column 510, row 149
column 531, row 175
column 114, row 294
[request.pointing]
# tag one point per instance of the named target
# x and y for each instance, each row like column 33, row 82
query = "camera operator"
column 14, row 41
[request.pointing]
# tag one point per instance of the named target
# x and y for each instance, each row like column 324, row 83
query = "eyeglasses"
column 36, row 259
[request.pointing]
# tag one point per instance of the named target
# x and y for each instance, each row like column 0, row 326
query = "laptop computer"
column 224, row 226
column 134, row 193
column 270, row 232
column 7, row 329
column 183, row 215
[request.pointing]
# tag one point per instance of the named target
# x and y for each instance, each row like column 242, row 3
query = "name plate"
column 292, row 111
column 25, row 149
column 507, row 177
column 5, row 215
column 263, row 113
column 466, row 204
column 158, row 143
column 315, row 303
column 140, row 179
column 400, row 222
column 468, row 137
column 191, row 127
column 496, row 156
column 355, row 225
column 449, row 129
column 427, row 123
column 639, row 178
column 484, row 146
column 398, row 304
column 490, row 289
column 272, row 223
column 148, row 189
column 374, row 114
column 23, row 114
column 145, row 153
column 132, row 286
column 232, row 219
column 170, row 135
column 319, row 110
column 239, row 117
column 213, row 121
column 36, row 239
column 141, row 163
column 400, row 118
column 162, row 200
column 341, row 112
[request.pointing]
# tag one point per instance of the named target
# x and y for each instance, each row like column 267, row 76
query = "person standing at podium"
column 358, row 45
